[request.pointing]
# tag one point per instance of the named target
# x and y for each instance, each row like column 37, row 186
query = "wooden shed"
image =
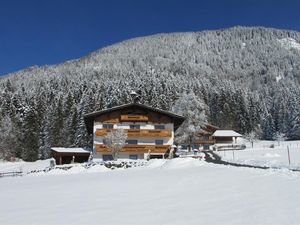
column 226, row 136
column 66, row 155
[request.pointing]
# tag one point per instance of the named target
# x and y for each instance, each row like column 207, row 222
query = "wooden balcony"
column 139, row 118
column 103, row 131
column 205, row 142
column 100, row 148
column 139, row 133
column 149, row 133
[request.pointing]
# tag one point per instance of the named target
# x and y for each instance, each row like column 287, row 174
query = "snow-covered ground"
column 178, row 191
column 25, row 167
column 262, row 155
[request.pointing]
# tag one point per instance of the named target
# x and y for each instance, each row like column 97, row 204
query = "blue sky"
column 38, row 32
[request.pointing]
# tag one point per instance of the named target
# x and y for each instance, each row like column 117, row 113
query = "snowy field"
column 178, row 191
column 25, row 167
column 262, row 155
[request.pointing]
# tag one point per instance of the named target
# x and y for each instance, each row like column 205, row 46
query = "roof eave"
column 90, row 117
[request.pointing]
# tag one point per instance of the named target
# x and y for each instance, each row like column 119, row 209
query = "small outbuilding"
column 69, row 155
column 226, row 136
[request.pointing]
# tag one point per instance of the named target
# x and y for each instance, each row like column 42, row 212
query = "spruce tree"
column 30, row 135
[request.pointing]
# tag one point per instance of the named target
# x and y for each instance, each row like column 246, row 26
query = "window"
column 159, row 126
column 206, row 147
column 195, row 146
column 135, row 126
column 107, row 157
column 104, row 141
column 159, row 142
column 108, row 126
column 131, row 142
column 134, row 157
column 205, row 137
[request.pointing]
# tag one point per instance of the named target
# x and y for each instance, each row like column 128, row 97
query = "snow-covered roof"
column 69, row 150
column 90, row 117
column 226, row 133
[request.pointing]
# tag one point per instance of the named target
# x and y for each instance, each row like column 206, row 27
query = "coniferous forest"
column 242, row 78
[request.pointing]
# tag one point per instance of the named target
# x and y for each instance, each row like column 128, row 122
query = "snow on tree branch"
column 115, row 141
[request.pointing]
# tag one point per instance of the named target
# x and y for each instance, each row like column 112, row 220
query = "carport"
column 66, row 155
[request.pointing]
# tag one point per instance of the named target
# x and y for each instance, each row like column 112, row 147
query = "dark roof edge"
column 89, row 117
column 211, row 125
column 132, row 104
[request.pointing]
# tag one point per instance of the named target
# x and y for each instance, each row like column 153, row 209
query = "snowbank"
column 175, row 192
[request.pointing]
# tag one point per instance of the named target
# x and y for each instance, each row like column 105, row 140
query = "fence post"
column 288, row 150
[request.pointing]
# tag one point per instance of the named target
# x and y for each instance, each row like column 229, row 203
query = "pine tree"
column 30, row 147
column 194, row 110
column 57, row 124
column 71, row 126
column 7, row 138
column 242, row 118
column 268, row 128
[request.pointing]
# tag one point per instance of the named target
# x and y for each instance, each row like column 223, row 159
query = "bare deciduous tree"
column 279, row 137
column 253, row 136
column 114, row 141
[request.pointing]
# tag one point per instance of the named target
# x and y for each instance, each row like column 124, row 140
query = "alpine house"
column 150, row 131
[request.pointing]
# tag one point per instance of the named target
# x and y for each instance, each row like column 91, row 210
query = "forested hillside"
column 246, row 79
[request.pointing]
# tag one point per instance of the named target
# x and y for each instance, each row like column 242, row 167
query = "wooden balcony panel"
column 134, row 118
column 149, row 133
column 103, row 131
column 138, row 133
column 109, row 118
column 146, row 148
column 100, row 148
column 203, row 142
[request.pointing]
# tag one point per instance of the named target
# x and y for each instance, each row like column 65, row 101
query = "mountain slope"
column 247, row 76
column 230, row 52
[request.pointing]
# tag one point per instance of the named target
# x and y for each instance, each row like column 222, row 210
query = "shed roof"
column 90, row 117
column 69, row 150
column 226, row 133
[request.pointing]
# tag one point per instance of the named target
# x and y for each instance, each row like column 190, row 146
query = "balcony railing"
column 129, row 148
column 139, row 132
column 134, row 118
column 203, row 142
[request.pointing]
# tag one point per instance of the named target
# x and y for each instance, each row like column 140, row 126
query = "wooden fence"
column 11, row 174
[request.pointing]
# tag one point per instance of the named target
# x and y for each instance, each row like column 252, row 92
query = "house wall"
column 152, row 120
column 141, row 140
column 224, row 139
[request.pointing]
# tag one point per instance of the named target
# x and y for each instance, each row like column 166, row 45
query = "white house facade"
column 150, row 131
